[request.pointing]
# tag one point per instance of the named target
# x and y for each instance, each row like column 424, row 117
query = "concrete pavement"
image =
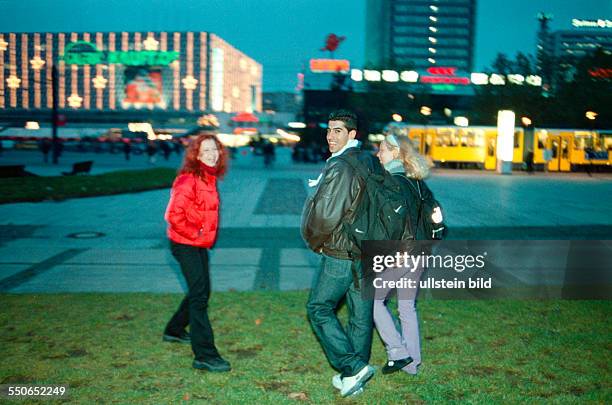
column 117, row 243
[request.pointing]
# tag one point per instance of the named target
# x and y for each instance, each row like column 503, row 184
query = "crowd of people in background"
column 126, row 146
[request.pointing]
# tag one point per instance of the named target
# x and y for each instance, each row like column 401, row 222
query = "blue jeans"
column 348, row 351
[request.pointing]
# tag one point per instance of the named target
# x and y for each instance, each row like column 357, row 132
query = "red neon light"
column 464, row 81
column 443, row 71
column 602, row 73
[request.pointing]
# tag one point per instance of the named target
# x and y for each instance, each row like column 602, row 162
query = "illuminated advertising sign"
column 601, row 73
column 86, row 53
column 143, row 88
column 600, row 23
column 505, row 135
column 329, row 65
column 444, row 75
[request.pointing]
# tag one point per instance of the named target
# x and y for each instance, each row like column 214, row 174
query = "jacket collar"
column 395, row 166
column 353, row 143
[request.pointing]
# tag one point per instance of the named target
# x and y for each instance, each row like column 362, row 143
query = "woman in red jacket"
column 193, row 218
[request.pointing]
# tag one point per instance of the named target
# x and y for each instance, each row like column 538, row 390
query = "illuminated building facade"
column 172, row 72
column 579, row 42
column 421, row 33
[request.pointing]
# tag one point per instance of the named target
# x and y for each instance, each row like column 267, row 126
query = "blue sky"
column 284, row 34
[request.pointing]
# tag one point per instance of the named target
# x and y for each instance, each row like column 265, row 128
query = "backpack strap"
column 356, row 165
column 418, row 192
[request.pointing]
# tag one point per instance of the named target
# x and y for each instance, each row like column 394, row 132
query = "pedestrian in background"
column 193, row 217
column 529, row 161
column 151, row 152
column 45, row 147
column 403, row 347
column 166, row 150
column 127, row 148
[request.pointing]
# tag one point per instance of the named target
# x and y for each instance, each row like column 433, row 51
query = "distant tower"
column 543, row 52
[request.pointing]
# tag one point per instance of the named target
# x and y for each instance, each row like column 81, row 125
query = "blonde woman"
column 399, row 157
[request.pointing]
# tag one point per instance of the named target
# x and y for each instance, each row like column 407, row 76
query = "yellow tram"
column 558, row 149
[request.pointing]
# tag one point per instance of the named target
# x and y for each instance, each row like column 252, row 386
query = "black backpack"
column 429, row 222
column 384, row 211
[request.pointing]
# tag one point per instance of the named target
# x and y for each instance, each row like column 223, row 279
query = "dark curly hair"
column 348, row 117
column 191, row 164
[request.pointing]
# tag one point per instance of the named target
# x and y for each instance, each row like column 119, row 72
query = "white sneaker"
column 337, row 381
column 350, row 385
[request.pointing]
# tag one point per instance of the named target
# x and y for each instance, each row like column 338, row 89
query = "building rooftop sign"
column 86, row 53
column 329, row 65
column 600, row 23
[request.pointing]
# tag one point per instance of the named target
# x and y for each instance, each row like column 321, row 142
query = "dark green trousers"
column 348, row 350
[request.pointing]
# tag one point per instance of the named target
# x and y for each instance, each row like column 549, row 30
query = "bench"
column 14, row 171
column 80, row 167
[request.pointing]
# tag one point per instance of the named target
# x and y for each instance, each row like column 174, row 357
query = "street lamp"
column 426, row 111
column 397, row 117
column 591, row 115
column 461, row 121
column 526, row 121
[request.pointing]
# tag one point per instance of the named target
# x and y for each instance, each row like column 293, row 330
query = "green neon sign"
column 443, row 87
column 86, row 53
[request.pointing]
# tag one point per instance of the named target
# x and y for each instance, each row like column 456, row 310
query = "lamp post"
column 54, row 114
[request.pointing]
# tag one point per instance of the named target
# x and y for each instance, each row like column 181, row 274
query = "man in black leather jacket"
column 339, row 191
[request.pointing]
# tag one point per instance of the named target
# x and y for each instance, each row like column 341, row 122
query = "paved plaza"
column 117, row 243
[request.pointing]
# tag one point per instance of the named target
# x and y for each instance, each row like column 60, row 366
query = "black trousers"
column 193, row 310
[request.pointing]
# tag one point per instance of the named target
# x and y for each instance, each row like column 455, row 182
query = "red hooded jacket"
column 193, row 210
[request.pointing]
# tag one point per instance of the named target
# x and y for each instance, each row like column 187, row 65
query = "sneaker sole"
column 395, row 369
column 174, row 339
column 336, row 386
column 359, row 391
column 213, row 370
column 359, row 386
column 210, row 369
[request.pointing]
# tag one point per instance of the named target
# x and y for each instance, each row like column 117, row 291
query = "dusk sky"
column 283, row 34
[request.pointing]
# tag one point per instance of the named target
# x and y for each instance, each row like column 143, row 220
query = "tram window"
column 445, row 138
column 491, row 147
column 469, row 138
column 478, row 138
column 517, row 139
column 583, row 141
column 542, row 141
column 607, row 141
column 427, row 143
column 454, row 140
column 564, row 149
column 555, row 148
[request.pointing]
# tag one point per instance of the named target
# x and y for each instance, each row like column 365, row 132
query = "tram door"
column 559, row 145
column 491, row 151
column 417, row 142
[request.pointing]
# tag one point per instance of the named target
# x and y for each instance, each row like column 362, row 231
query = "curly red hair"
column 191, row 164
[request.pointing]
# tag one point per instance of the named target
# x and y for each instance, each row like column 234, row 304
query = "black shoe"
column 184, row 337
column 215, row 364
column 393, row 365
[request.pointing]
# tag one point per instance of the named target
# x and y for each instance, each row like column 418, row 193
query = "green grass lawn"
column 108, row 348
column 61, row 187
